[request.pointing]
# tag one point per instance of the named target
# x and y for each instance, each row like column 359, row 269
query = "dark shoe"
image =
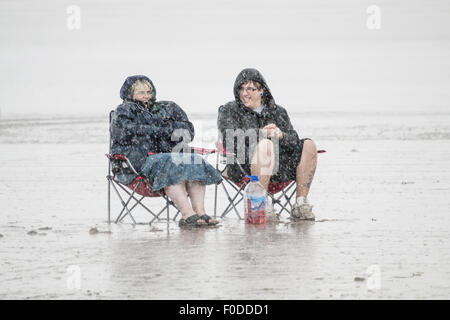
column 209, row 220
column 192, row 221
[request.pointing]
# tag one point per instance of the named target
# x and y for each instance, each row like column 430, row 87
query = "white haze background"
column 316, row 55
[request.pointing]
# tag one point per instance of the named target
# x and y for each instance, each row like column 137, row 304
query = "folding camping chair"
column 280, row 193
column 141, row 186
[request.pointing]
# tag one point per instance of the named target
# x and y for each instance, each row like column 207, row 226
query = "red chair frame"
column 279, row 202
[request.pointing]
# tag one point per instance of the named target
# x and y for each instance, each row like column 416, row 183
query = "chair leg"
column 215, row 201
column 109, row 198
column 288, row 199
column 125, row 205
column 231, row 202
column 286, row 196
column 121, row 201
column 138, row 201
column 176, row 215
column 157, row 215
column 126, row 210
column 134, row 206
column 168, row 215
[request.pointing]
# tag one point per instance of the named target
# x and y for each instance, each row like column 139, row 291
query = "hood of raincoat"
column 125, row 90
column 250, row 74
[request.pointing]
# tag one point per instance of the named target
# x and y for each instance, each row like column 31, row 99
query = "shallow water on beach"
column 381, row 203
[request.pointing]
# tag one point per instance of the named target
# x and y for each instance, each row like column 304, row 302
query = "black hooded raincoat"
column 137, row 129
column 234, row 115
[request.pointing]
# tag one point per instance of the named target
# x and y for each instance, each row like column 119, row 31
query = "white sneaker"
column 302, row 211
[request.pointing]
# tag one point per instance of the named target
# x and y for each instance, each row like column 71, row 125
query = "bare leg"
column 196, row 191
column 263, row 162
column 178, row 194
column 306, row 168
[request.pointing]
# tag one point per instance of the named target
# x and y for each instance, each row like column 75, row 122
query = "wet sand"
column 381, row 204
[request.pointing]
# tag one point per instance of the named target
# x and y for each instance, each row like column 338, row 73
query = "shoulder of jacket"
column 229, row 106
column 279, row 109
column 167, row 104
column 125, row 107
column 170, row 106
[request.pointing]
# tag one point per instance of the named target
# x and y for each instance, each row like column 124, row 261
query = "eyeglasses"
column 141, row 93
column 248, row 89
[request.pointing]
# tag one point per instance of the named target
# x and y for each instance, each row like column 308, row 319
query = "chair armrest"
column 222, row 151
column 116, row 157
column 202, row 151
column 121, row 157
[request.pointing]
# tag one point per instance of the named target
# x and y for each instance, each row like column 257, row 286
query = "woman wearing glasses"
column 142, row 125
column 260, row 134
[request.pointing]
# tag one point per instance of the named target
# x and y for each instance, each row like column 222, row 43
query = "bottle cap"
column 253, row 178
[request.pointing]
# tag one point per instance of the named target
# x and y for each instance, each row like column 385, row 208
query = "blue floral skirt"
column 166, row 169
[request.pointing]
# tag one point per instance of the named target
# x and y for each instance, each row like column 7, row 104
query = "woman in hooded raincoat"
column 142, row 125
column 260, row 134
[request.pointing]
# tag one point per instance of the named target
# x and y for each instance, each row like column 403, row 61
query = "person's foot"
column 302, row 211
column 208, row 220
column 192, row 221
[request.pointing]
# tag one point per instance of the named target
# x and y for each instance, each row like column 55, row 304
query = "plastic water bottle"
column 254, row 202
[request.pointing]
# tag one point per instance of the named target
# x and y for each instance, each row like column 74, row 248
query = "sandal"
column 192, row 221
column 209, row 220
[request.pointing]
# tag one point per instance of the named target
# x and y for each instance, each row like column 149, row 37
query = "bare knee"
column 309, row 147
column 265, row 144
column 194, row 183
column 265, row 149
column 264, row 152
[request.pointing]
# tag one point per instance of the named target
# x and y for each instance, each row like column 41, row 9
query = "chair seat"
column 144, row 189
column 274, row 187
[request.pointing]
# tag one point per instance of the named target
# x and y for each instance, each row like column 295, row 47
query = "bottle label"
column 256, row 210
column 257, row 203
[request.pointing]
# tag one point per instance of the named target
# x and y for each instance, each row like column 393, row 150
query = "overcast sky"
column 316, row 55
